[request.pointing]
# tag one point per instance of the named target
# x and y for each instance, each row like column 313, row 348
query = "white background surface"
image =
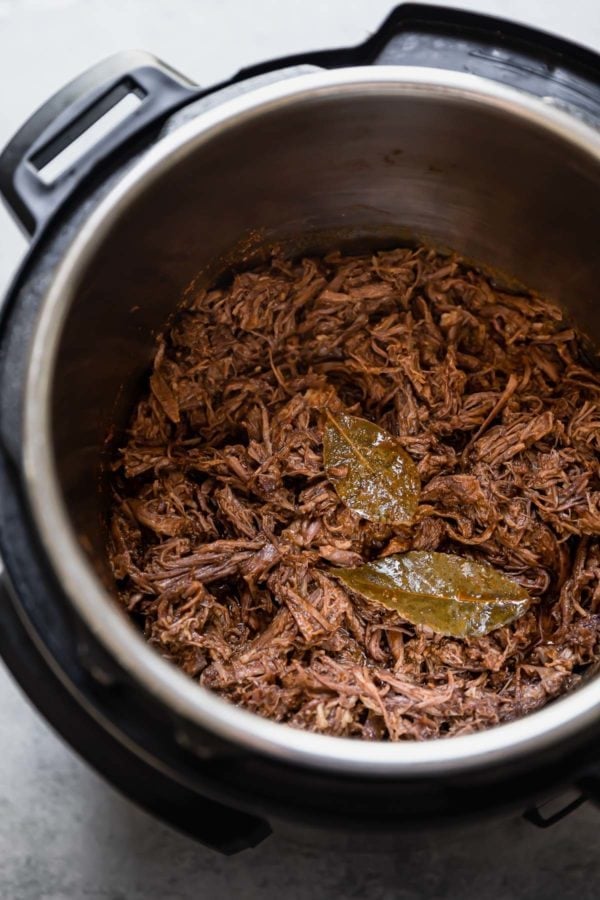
column 64, row 834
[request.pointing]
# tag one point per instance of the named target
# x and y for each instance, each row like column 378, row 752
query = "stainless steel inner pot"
column 504, row 178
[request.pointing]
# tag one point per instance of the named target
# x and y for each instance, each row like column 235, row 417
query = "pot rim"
column 561, row 719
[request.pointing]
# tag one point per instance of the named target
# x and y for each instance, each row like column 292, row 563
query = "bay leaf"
column 452, row 595
column 369, row 469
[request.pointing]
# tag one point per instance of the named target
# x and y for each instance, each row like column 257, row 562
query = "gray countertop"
column 65, row 834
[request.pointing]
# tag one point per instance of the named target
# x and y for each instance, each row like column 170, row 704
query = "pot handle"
column 26, row 185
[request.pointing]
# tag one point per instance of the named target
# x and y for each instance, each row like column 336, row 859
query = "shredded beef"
column 224, row 530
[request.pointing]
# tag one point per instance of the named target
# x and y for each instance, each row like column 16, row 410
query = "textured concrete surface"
column 64, row 834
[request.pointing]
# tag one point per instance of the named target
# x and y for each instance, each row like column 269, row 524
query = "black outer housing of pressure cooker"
column 223, row 795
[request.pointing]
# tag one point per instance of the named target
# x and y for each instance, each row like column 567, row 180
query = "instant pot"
column 471, row 132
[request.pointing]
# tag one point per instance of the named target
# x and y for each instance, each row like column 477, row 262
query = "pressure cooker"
column 480, row 135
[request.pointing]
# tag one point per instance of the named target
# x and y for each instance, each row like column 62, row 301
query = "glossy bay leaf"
column 369, row 469
column 450, row 594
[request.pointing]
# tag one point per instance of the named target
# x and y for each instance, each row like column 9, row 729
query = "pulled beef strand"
column 225, row 532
